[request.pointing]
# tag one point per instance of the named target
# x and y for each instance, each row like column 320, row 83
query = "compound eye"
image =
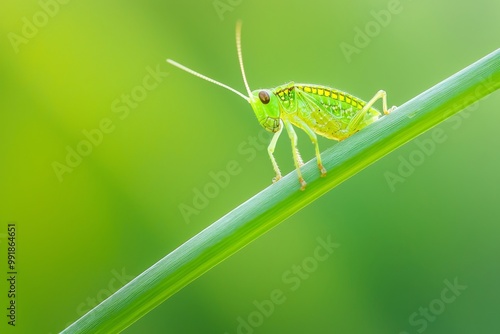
column 264, row 97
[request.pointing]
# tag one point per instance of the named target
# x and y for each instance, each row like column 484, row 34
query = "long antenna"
column 240, row 56
column 199, row 75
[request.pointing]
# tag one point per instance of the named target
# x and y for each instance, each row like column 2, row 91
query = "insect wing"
column 316, row 115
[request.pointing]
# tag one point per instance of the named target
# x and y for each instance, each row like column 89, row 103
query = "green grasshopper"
column 316, row 109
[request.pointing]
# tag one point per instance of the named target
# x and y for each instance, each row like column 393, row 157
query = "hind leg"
column 360, row 115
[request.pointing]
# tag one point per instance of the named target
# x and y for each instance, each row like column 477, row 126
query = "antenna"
column 240, row 56
column 182, row 67
column 240, row 59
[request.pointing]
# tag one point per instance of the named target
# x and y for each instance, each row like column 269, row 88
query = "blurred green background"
column 84, row 230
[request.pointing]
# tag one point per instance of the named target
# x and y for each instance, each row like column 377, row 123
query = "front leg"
column 270, row 151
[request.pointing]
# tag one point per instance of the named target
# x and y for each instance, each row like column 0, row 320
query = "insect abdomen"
column 328, row 111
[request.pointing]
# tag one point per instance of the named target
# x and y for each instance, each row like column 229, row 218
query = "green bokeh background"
column 118, row 211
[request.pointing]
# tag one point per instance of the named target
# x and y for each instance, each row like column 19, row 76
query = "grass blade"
column 279, row 201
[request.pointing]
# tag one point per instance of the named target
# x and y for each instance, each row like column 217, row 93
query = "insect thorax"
column 286, row 95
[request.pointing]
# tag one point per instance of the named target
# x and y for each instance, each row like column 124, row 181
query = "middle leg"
column 314, row 140
column 296, row 156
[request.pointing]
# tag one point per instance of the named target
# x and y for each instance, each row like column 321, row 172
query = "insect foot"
column 391, row 109
column 322, row 170
column 276, row 178
column 302, row 184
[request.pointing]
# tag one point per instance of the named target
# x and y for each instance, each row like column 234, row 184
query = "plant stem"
column 279, row 201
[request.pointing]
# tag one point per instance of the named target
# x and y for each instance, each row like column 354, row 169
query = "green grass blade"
column 281, row 200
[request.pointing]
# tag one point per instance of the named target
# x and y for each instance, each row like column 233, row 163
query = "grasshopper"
column 316, row 109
